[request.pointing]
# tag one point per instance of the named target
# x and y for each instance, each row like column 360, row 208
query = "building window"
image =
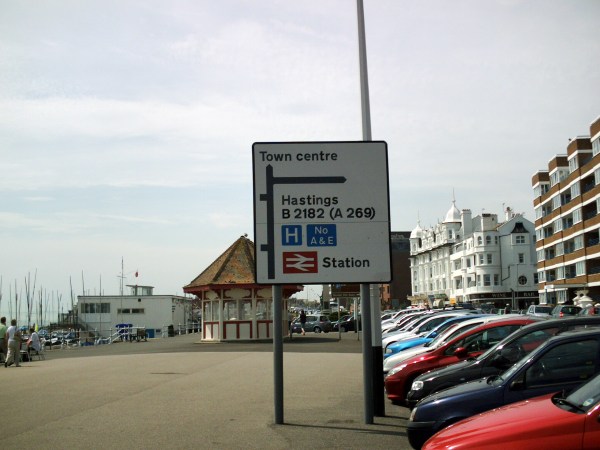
column 580, row 268
column 488, row 239
column 521, row 258
column 595, row 146
column 575, row 192
column 558, row 225
column 487, row 280
column 520, row 239
column 496, row 279
column 130, row 311
column 479, row 240
column 541, row 255
column 478, row 280
column 481, row 259
column 489, row 258
column 573, row 164
column 95, row 308
column 555, row 202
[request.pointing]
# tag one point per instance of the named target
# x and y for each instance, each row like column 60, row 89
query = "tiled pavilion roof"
column 234, row 268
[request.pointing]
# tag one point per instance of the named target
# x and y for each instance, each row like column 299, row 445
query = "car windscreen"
column 587, row 395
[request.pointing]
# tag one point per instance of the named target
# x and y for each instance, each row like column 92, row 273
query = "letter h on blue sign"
column 291, row 234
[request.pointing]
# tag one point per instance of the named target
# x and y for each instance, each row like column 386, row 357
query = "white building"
column 476, row 260
column 139, row 307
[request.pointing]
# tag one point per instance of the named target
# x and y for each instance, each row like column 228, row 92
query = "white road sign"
column 321, row 212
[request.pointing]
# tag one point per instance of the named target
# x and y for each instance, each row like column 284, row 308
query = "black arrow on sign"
column 270, row 199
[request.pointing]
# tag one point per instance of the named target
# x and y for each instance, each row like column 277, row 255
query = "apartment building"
column 567, row 223
column 476, row 260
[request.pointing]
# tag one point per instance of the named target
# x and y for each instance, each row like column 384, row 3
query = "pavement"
column 179, row 393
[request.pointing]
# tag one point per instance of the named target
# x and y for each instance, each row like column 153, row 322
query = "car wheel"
column 317, row 330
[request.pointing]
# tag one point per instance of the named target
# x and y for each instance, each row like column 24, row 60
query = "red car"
column 470, row 344
column 549, row 422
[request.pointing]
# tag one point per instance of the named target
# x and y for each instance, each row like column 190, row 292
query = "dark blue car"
column 561, row 363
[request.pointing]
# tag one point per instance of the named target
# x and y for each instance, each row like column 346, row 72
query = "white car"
column 400, row 321
column 425, row 325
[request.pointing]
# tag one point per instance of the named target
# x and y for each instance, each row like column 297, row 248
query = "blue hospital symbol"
column 291, row 234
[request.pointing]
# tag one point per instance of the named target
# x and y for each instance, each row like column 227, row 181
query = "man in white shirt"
column 14, row 345
column 34, row 342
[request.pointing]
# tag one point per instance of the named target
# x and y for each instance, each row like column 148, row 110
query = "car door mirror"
column 518, row 385
column 461, row 352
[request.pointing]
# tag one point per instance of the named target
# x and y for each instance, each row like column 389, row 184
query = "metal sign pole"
column 278, row 353
column 373, row 323
column 367, row 355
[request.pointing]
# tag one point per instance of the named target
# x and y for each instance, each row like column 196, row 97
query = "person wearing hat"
column 507, row 309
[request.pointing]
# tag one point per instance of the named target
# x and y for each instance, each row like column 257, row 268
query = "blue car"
column 428, row 337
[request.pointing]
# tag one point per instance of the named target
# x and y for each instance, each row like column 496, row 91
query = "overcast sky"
column 126, row 127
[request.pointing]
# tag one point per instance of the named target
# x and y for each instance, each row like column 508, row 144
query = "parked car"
column 497, row 359
column 549, row 422
column 565, row 310
column 449, row 334
column 466, row 345
column 314, row 322
column 425, row 337
column 401, row 322
column 539, row 310
column 425, row 325
column 590, row 310
column 346, row 323
column 561, row 363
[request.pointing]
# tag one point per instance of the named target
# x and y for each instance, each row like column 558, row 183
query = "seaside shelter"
column 234, row 306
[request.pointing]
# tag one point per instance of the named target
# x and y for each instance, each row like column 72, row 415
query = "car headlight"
column 416, row 386
column 413, row 413
column 396, row 369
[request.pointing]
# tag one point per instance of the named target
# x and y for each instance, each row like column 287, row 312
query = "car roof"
column 515, row 320
column 581, row 332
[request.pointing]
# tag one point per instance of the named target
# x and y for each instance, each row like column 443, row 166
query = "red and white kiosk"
column 234, row 306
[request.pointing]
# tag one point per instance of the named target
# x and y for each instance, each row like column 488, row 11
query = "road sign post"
column 321, row 215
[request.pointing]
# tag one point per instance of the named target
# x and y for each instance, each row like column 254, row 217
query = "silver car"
column 314, row 322
column 539, row 310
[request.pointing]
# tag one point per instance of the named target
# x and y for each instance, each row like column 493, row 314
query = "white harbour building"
column 476, row 260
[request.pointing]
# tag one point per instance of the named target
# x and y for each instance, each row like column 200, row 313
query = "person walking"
column 3, row 342
column 14, row 345
column 302, row 321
